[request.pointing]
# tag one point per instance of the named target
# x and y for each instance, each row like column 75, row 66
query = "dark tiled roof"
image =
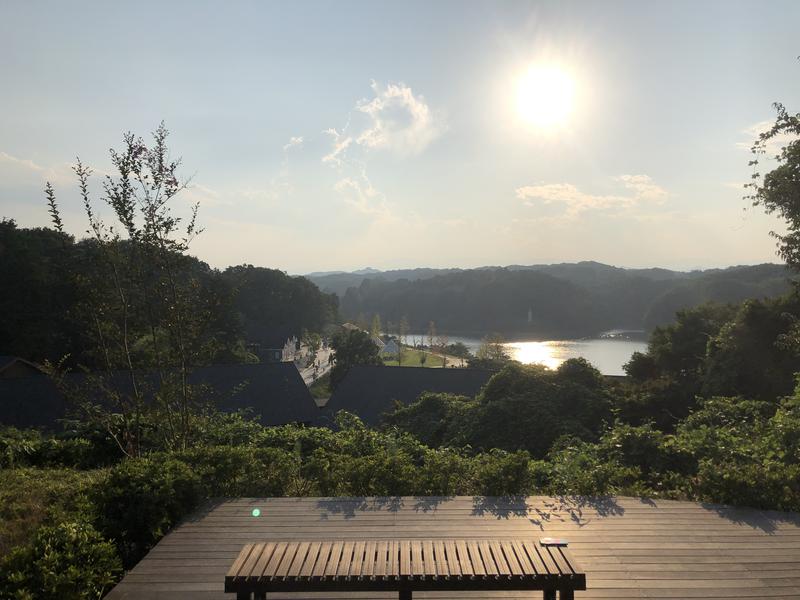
column 370, row 391
column 8, row 361
column 275, row 391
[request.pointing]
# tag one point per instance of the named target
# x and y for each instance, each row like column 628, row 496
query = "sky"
column 339, row 135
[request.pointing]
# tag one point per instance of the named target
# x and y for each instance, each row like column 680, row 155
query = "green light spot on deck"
column 256, row 512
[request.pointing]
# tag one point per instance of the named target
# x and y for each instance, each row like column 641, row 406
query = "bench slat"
column 464, row 563
column 405, row 559
column 251, row 561
column 488, row 560
column 356, row 568
column 511, row 558
column 369, row 560
column 503, row 569
column 522, row 556
column 429, row 562
column 453, row 564
column 381, row 560
column 343, row 570
column 286, row 561
column 417, row 566
column 533, row 554
column 299, row 559
column 442, row 565
column 393, row 566
column 240, row 560
column 333, row 560
column 263, row 560
column 547, row 559
column 322, row 560
column 311, row 560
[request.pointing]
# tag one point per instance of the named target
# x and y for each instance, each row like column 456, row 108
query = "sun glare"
column 546, row 96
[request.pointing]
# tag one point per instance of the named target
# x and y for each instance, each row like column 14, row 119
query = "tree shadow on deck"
column 548, row 510
column 349, row 507
column 763, row 520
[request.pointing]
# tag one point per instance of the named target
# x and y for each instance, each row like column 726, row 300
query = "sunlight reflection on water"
column 608, row 355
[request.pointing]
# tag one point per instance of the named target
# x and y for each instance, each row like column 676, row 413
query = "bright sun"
column 546, row 96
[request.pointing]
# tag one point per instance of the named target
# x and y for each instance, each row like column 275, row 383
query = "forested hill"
column 562, row 300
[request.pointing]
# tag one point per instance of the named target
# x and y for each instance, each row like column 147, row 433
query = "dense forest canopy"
column 48, row 272
column 568, row 300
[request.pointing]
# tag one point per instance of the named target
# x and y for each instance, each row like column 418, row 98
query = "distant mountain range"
column 559, row 300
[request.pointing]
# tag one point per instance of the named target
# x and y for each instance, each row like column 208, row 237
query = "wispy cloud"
column 358, row 192
column 294, row 142
column 341, row 143
column 399, row 120
column 20, row 162
column 641, row 190
column 752, row 133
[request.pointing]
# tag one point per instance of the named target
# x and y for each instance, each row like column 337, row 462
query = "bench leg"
column 549, row 595
column 566, row 595
column 405, row 594
column 242, row 595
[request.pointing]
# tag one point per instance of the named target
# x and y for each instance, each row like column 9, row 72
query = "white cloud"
column 294, row 142
column 752, row 133
column 398, row 120
column 341, row 143
column 20, row 162
column 641, row 190
column 359, row 193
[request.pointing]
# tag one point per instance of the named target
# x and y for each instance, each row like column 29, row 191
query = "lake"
column 607, row 354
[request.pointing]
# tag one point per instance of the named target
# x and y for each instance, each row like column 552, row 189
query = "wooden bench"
column 405, row 566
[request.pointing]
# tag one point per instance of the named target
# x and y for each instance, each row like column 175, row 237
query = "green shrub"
column 242, row 470
column 70, row 561
column 141, row 499
column 501, row 473
column 31, row 498
column 17, row 446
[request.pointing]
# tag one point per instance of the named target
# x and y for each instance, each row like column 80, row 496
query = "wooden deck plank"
column 628, row 547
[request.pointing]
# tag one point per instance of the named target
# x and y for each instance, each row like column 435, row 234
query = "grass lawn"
column 321, row 388
column 411, row 358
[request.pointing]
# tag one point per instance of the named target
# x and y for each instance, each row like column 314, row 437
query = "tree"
column 140, row 298
column 312, row 341
column 402, row 331
column 431, row 335
column 375, row 330
column 352, row 347
column 491, row 354
column 442, row 341
column 778, row 191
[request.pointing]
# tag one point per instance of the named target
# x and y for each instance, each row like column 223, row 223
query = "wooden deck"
column 629, row 548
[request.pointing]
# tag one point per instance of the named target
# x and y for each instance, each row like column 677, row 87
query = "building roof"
column 275, row 391
column 19, row 366
column 370, row 391
column 628, row 547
